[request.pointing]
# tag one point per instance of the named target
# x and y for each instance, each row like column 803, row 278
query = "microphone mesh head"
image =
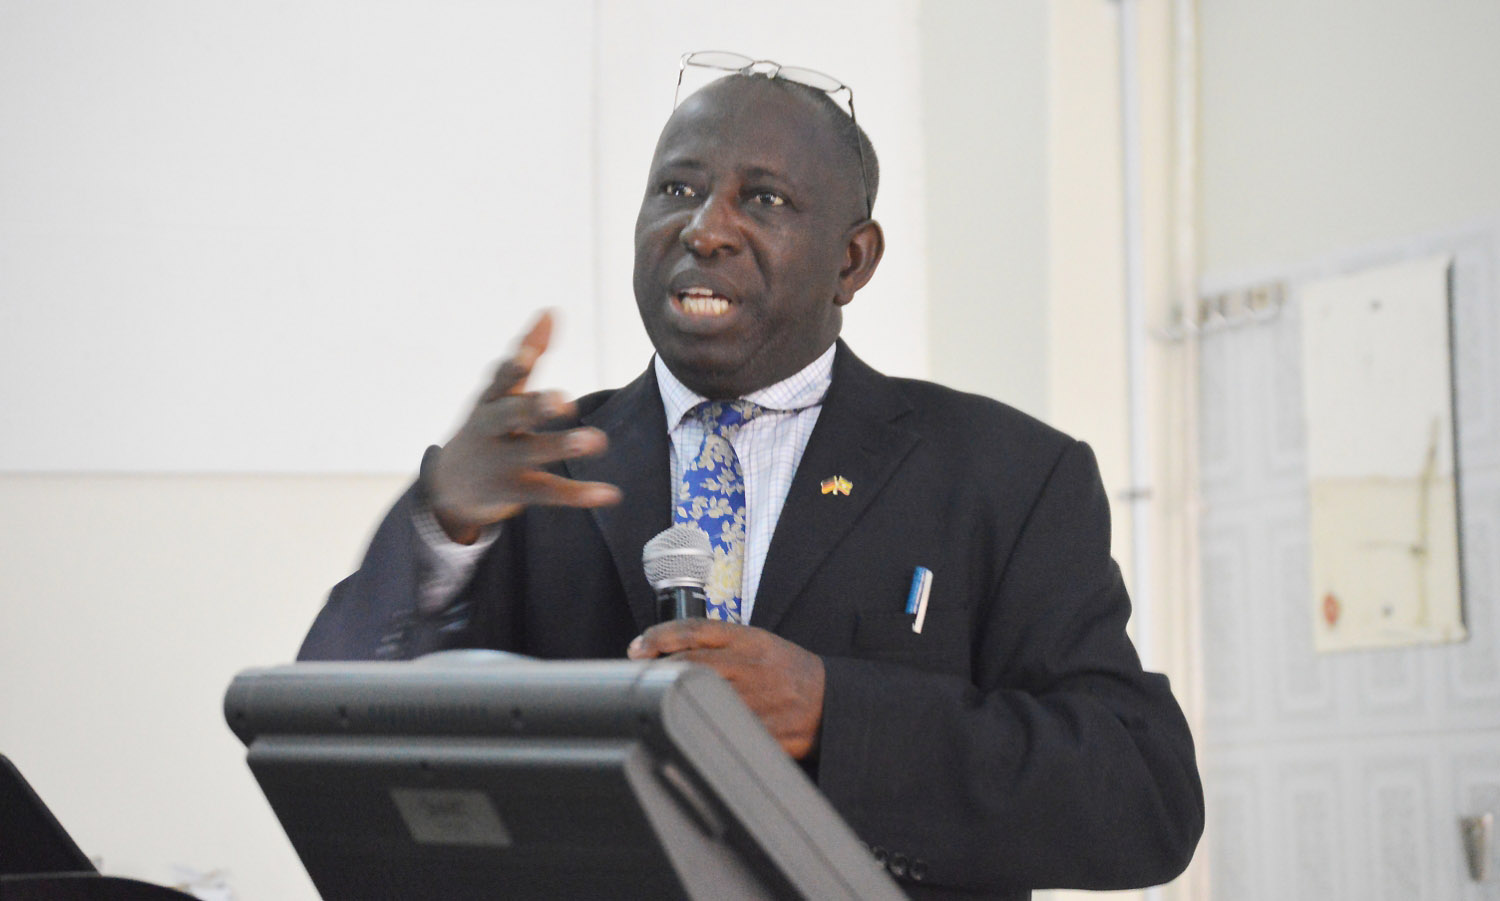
column 681, row 555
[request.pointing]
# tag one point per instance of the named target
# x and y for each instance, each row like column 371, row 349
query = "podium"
column 39, row 861
column 476, row 775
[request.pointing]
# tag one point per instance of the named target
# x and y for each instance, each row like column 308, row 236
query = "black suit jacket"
column 1014, row 743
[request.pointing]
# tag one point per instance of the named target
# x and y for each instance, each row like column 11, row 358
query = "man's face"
column 742, row 237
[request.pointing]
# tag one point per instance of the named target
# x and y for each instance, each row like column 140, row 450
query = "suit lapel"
column 857, row 437
column 636, row 462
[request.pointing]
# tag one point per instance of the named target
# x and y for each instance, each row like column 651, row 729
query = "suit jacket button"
column 898, row 865
column 918, row 870
column 880, row 854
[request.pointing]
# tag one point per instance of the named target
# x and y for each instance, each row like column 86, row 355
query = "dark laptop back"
column 31, row 839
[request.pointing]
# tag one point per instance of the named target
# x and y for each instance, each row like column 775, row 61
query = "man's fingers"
column 539, row 449
column 533, row 345
column 513, row 414
column 781, row 683
column 505, row 439
column 546, row 489
column 507, row 376
column 539, row 336
column 511, row 377
column 684, row 635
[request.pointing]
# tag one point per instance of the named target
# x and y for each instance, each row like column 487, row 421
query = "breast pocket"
column 888, row 636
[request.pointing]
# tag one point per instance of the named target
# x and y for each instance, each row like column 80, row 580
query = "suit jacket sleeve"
column 373, row 615
column 1059, row 762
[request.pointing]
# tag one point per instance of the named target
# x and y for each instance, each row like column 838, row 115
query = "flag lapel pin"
column 837, row 485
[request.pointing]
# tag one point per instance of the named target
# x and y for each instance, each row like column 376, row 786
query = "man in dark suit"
column 1012, row 741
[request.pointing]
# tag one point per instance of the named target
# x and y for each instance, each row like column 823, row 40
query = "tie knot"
column 725, row 417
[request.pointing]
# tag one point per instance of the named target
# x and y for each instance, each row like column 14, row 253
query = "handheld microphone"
column 677, row 563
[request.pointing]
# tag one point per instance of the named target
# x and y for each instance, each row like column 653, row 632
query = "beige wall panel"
column 1086, row 335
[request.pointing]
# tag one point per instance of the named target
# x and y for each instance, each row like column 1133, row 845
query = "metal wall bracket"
column 1477, row 831
column 1225, row 310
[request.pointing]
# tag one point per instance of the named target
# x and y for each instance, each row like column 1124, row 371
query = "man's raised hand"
column 491, row 468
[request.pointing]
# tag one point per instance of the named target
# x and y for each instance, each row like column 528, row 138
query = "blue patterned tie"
column 711, row 496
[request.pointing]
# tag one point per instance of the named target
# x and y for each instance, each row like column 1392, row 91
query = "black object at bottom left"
column 39, row 861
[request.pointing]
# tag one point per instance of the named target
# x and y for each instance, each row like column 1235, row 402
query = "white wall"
column 279, row 237
column 255, row 257
column 985, row 115
column 203, row 205
column 1333, row 124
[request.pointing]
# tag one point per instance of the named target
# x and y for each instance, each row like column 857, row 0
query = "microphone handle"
column 681, row 602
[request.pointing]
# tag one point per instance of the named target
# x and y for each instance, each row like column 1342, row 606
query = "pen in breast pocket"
column 916, row 599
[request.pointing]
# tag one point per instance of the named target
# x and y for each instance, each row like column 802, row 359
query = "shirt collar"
column 802, row 389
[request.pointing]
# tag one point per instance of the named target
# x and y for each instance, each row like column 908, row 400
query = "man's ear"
column 862, row 252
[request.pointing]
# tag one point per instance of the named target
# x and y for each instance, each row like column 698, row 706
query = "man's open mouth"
column 702, row 302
